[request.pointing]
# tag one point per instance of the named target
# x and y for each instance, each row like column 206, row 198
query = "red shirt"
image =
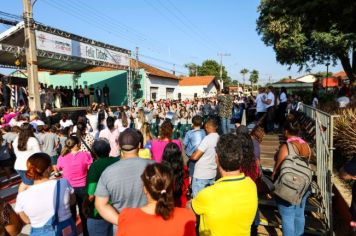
column 133, row 221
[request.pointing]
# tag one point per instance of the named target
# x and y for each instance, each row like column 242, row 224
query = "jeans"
column 225, row 123
column 293, row 218
column 200, row 184
column 25, row 180
column 80, row 195
column 49, row 230
column 99, row 227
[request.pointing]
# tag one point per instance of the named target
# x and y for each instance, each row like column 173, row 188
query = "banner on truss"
column 57, row 44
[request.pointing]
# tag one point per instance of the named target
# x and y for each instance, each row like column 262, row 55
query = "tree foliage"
column 208, row 67
column 306, row 33
column 254, row 77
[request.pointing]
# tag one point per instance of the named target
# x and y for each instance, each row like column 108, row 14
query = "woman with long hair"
column 159, row 216
column 140, row 119
column 85, row 138
column 172, row 157
column 24, row 146
column 75, row 165
column 123, row 122
column 293, row 218
column 147, row 135
column 158, row 145
column 39, row 204
column 112, row 135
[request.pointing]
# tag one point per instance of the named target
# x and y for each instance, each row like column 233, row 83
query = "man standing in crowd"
column 76, row 96
column 225, row 110
column 70, row 96
column 269, row 101
column 92, row 94
column 98, row 94
column 120, row 184
column 229, row 206
column 260, row 105
column 86, row 95
column 205, row 167
column 106, row 93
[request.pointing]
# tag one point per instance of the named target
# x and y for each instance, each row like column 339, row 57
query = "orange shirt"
column 133, row 221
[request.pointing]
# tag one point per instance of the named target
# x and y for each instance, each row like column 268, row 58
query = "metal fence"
column 323, row 147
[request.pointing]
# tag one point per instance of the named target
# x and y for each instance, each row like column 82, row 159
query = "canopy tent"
column 307, row 79
column 60, row 51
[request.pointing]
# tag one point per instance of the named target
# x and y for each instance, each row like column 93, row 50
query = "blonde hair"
column 146, row 132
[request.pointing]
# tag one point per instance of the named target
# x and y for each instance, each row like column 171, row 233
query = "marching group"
column 166, row 168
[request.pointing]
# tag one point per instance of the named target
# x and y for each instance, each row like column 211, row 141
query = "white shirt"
column 120, row 127
column 205, row 167
column 113, row 138
column 315, row 102
column 48, row 112
column 270, row 96
column 65, row 124
column 32, row 147
column 93, row 121
column 260, row 106
column 283, row 97
column 343, row 101
column 37, row 202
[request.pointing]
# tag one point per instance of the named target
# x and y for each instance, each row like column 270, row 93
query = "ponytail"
column 165, row 205
column 69, row 144
column 37, row 164
column 158, row 181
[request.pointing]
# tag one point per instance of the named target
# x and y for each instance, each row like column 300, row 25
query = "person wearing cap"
column 120, row 182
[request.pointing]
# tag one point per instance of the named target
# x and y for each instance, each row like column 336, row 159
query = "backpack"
column 294, row 178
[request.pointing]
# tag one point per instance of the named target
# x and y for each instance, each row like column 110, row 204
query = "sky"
column 169, row 33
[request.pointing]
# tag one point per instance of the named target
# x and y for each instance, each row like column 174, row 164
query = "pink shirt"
column 9, row 116
column 113, row 138
column 157, row 148
column 75, row 167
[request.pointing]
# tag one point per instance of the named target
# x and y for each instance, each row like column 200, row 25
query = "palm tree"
column 244, row 71
column 253, row 78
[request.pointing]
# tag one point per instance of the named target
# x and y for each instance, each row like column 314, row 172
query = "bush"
column 345, row 132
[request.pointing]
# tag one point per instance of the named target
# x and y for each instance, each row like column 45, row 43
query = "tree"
column 311, row 32
column 244, row 71
column 208, row 67
column 253, row 77
column 192, row 68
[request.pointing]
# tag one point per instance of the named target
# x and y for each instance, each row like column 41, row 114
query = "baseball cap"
column 129, row 139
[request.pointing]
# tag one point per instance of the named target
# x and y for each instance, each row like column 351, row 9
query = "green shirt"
column 94, row 173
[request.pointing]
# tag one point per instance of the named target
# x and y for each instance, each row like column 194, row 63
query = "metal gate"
column 323, row 147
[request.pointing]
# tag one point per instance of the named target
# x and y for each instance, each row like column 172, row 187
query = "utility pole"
column 31, row 58
column 221, row 54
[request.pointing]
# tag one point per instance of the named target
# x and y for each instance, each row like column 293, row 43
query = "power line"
column 189, row 24
column 161, row 60
column 83, row 18
column 170, row 20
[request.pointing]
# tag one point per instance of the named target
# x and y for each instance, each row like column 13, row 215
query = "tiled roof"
column 287, row 81
column 196, row 80
column 341, row 74
column 153, row 70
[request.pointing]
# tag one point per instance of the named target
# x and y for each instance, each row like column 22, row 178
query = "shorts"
column 54, row 160
column 25, row 180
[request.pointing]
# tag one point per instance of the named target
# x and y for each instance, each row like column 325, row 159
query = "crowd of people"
column 166, row 168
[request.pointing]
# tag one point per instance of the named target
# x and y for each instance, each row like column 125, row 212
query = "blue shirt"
column 192, row 140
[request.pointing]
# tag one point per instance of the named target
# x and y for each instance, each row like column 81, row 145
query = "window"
column 170, row 93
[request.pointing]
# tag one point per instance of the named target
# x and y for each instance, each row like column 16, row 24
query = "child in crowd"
column 143, row 152
column 192, row 140
column 49, row 143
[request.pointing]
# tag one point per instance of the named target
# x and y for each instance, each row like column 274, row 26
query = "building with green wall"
column 115, row 79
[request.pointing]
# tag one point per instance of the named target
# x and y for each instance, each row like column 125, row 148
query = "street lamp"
column 327, row 77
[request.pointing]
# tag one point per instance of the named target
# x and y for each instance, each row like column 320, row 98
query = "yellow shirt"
column 144, row 153
column 228, row 207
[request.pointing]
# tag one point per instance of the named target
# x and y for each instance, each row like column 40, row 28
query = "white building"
column 157, row 84
column 198, row 86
